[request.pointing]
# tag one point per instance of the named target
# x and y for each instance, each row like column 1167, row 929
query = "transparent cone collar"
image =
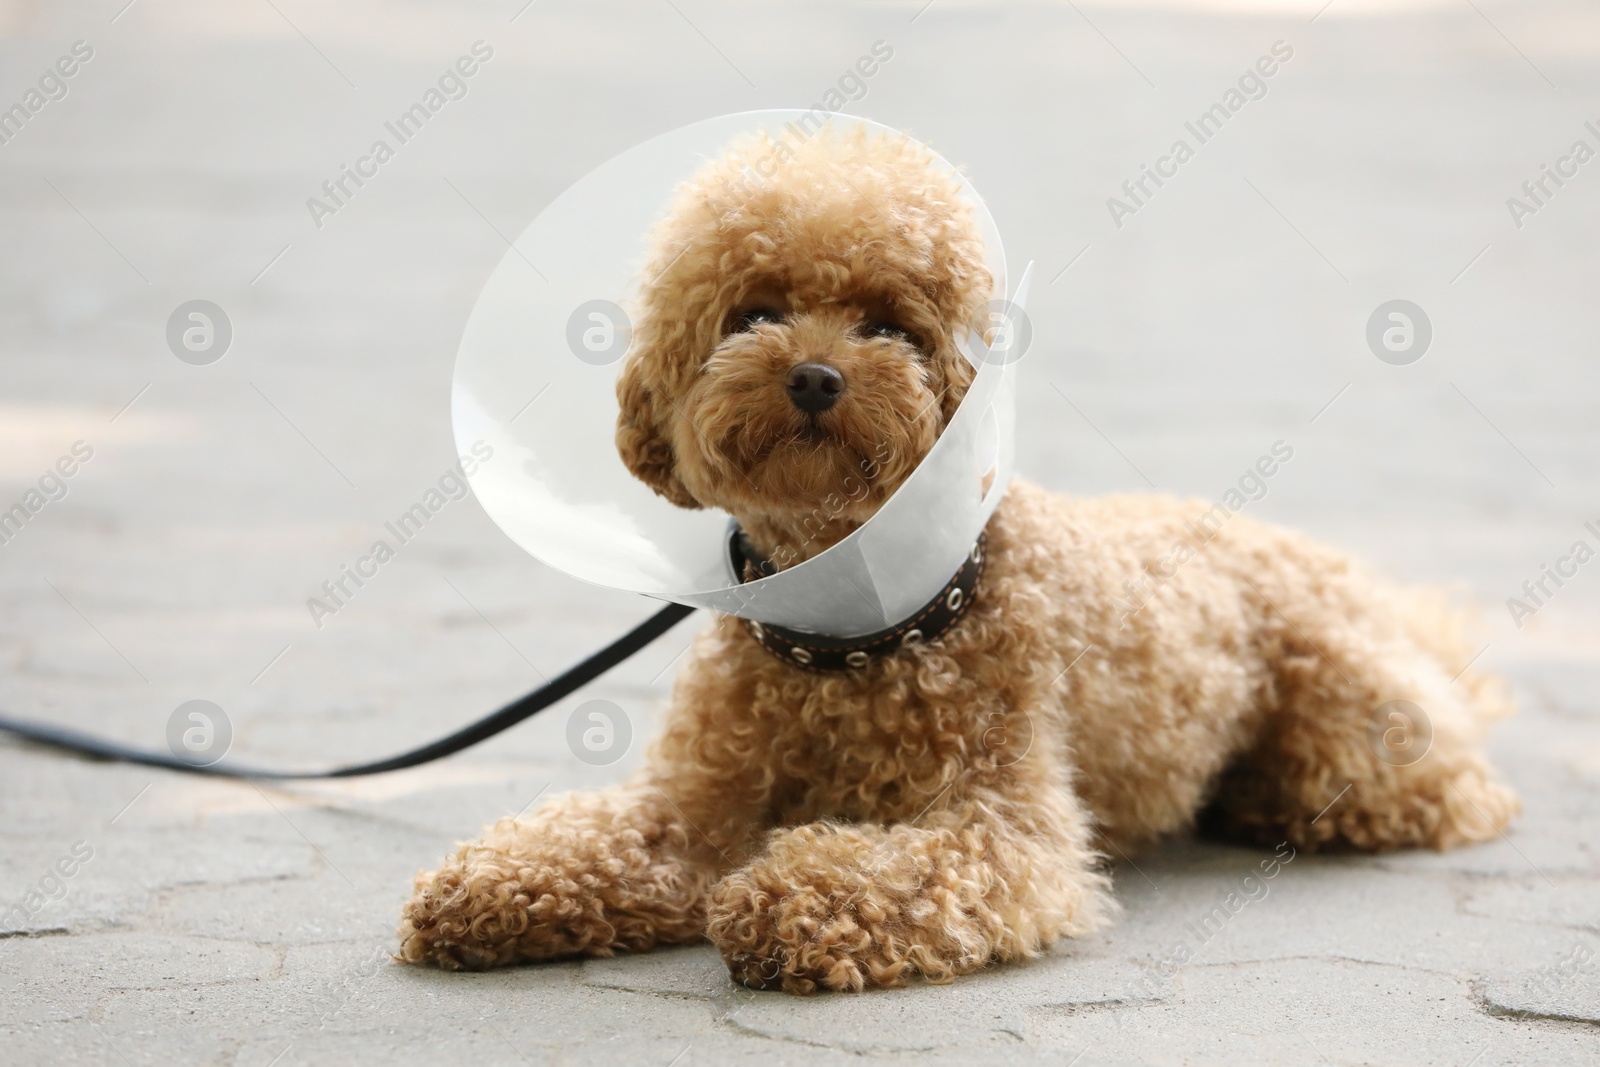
column 535, row 390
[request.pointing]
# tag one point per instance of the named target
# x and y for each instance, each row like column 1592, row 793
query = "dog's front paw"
column 799, row 937
column 849, row 908
column 588, row 875
column 486, row 908
column 457, row 921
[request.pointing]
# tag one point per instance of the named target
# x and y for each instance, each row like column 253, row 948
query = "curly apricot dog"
column 943, row 807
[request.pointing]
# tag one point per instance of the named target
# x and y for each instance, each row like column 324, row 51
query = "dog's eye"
column 750, row 318
column 885, row 328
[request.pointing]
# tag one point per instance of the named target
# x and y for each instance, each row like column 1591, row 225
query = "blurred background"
column 1174, row 343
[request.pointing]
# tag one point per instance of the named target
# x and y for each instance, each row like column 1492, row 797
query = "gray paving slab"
column 217, row 922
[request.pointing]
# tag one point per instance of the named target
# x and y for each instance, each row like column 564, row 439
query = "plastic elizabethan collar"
column 546, row 404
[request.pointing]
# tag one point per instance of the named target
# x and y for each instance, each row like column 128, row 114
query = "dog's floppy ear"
column 641, row 440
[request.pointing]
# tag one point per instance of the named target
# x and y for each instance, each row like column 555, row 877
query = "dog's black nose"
column 815, row 387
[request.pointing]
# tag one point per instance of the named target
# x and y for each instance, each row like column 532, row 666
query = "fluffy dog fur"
column 947, row 806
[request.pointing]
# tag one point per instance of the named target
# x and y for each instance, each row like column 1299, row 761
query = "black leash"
column 567, row 682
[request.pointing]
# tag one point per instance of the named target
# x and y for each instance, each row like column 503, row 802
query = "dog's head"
column 795, row 343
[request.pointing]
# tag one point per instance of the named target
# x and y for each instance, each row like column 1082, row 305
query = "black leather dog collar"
column 818, row 652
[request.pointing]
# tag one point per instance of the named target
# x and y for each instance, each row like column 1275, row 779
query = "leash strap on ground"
column 572, row 679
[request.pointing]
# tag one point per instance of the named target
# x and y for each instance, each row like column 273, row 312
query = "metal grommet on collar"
column 912, row 637
column 953, row 601
column 858, row 659
column 756, row 631
column 800, row 655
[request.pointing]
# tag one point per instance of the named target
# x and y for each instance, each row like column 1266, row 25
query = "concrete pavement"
column 211, row 922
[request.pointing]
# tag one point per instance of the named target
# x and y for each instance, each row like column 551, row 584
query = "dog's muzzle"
column 821, row 653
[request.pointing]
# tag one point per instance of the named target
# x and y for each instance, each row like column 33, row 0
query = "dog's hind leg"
column 1375, row 740
column 586, row 874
